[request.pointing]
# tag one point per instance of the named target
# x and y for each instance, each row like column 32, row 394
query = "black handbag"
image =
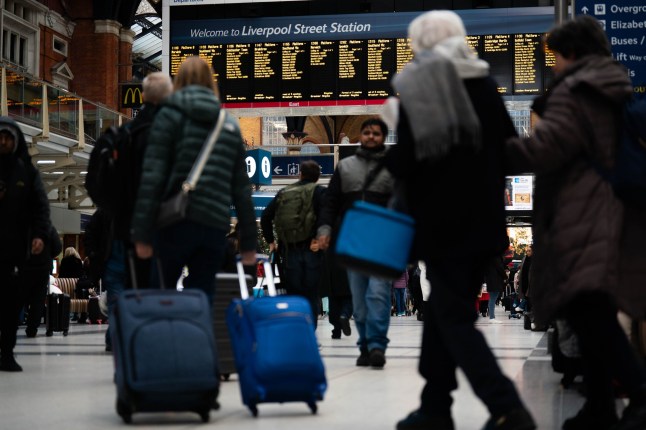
column 173, row 209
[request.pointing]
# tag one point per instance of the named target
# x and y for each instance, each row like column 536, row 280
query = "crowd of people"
column 452, row 125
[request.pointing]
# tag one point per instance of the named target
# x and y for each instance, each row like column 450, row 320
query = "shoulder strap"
column 198, row 166
column 372, row 175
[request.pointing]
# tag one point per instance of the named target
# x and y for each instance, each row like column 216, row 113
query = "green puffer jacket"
column 178, row 132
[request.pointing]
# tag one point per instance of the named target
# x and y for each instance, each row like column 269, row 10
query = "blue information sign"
column 625, row 25
column 259, row 166
column 287, row 165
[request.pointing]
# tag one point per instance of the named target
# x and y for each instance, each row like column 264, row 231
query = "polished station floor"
column 67, row 384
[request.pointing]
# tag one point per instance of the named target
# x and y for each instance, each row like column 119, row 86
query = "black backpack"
column 628, row 176
column 103, row 181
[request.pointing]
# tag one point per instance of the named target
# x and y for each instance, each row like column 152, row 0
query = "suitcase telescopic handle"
column 269, row 275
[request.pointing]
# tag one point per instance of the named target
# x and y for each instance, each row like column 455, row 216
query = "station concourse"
column 67, row 385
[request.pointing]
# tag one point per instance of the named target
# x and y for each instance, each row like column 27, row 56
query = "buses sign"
column 131, row 96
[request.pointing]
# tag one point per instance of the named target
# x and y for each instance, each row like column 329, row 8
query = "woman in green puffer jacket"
column 179, row 131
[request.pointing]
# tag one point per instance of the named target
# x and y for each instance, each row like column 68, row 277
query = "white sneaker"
column 519, row 309
column 494, row 321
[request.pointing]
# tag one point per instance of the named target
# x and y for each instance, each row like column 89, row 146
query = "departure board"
column 238, row 71
column 381, row 60
column 351, row 71
column 267, row 57
column 324, row 57
column 497, row 50
column 528, row 64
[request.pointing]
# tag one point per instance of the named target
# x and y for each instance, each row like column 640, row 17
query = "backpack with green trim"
column 295, row 219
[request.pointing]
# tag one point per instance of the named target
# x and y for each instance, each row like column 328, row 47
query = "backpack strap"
column 372, row 175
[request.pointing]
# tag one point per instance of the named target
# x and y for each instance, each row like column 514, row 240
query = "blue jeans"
column 302, row 272
column 114, row 279
column 400, row 300
column 493, row 297
column 371, row 304
column 198, row 247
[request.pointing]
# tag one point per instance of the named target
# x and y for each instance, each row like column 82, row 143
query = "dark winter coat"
column 139, row 129
column 24, row 209
column 577, row 218
column 457, row 202
column 43, row 261
column 180, row 128
column 495, row 276
column 71, row 267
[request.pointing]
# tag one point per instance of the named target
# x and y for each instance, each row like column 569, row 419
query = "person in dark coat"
column 24, row 217
column 580, row 225
column 334, row 285
column 451, row 126
column 495, row 277
column 71, row 264
column 112, row 229
column 35, row 280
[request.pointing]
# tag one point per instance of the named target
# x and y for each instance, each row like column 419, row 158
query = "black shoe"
column 418, row 420
column 363, row 359
column 108, row 348
column 82, row 321
column 31, row 332
column 336, row 334
column 377, row 358
column 634, row 416
column 345, row 325
column 517, row 419
column 592, row 418
column 9, row 364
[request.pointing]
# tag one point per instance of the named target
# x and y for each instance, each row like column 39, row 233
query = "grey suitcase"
column 227, row 288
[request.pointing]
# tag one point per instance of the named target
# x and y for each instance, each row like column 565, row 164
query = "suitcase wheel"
column 225, row 376
column 65, row 333
column 254, row 410
column 124, row 412
column 205, row 416
column 49, row 333
column 313, row 407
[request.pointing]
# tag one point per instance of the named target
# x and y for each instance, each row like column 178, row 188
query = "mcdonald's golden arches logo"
column 131, row 96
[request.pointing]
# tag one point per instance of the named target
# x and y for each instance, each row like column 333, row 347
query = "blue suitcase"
column 275, row 348
column 164, row 352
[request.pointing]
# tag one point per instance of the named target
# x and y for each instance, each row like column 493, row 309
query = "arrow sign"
column 585, row 10
column 277, row 170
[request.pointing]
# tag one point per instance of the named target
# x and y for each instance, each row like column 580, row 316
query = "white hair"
column 432, row 27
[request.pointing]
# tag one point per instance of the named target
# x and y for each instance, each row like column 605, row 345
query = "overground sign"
column 625, row 25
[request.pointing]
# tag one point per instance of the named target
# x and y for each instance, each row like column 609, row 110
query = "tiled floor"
column 67, row 385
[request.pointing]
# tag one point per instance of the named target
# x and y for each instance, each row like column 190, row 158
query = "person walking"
column 34, row 279
column 371, row 299
column 495, row 278
column 24, row 216
column 179, row 130
column 113, row 224
column 294, row 213
column 452, row 126
column 589, row 255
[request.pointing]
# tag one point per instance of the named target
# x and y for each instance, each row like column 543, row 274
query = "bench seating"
column 68, row 286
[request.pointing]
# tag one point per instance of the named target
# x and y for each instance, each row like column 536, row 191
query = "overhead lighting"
column 46, row 162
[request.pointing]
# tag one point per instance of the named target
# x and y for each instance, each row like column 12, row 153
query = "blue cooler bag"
column 375, row 240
